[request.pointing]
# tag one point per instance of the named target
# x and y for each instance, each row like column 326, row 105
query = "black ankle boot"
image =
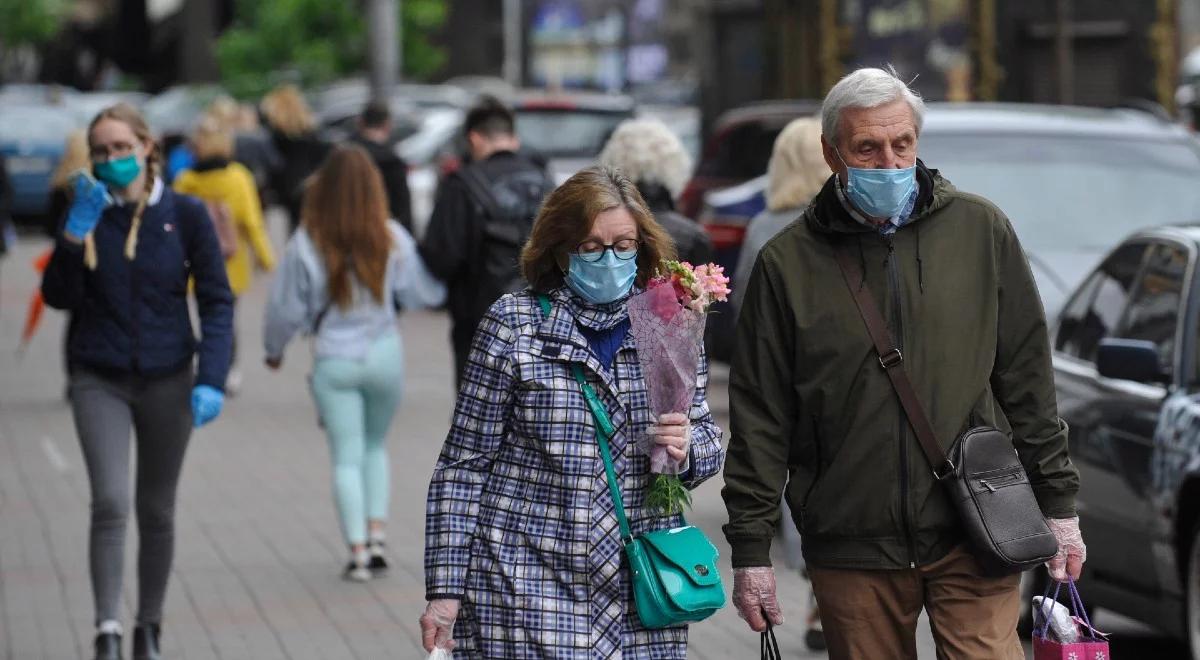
column 108, row 646
column 145, row 642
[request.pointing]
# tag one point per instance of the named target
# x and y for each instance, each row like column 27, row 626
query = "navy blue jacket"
column 132, row 316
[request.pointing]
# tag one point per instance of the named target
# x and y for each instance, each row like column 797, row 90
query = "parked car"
column 86, row 105
column 173, row 113
column 434, row 150
column 568, row 130
column 1127, row 374
column 738, row 148
column 1073, row 181
column 32, row 139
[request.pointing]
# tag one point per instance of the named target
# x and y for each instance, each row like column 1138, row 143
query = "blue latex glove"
column 206, row 404
column 91, row 198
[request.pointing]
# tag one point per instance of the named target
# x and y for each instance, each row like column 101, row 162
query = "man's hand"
column 1071, row 550
column 754, row 597
column 437, row 624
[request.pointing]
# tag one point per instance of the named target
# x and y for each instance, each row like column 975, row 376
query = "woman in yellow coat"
column 215, row 177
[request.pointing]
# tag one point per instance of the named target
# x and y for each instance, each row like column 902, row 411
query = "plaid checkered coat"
column 519, row 520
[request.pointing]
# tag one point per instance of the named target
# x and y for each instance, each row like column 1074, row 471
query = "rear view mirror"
column 1129, row 359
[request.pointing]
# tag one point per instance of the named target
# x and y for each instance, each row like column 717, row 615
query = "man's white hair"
column 867, row 88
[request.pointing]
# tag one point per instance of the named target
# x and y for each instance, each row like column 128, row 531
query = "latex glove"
column 91, row 198
column 1071, row 550
column 437, row 624
column 754, row 597
column 673, row 433
column 206, row 404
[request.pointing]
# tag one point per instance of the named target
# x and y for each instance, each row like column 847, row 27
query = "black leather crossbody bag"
column 982, row 474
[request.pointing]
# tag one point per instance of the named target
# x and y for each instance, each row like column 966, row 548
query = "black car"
column 1127, row 371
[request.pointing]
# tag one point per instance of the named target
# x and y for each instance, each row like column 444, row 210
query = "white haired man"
column 813, row 412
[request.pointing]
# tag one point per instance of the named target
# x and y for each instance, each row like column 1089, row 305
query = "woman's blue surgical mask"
column 879, row 193
column 118, row 172
column 603, row 281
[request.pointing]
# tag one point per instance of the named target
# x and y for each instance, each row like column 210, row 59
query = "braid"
column 135, row 224
column 89, row 251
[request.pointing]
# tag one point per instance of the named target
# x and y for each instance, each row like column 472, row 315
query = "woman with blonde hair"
column 649, row 153
column 293, row 132
column 121, row 266
column 522, row 544
column 795, row 173
column 342, row 270
column 228, row 189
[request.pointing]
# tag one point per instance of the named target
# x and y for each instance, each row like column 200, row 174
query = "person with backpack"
column 231, row 197
column 121, row 266
column 343, row 268
column 481, row 219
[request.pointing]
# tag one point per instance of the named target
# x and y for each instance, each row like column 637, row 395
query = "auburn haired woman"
column 522, row 545
column 121, row 266
column 344, row 270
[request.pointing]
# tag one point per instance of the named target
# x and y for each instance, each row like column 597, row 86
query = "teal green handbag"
column 674, row 572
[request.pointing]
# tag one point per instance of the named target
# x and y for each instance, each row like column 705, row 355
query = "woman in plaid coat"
column 523, row 557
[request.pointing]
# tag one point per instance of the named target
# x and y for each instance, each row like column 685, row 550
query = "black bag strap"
column 892, row 362
column 480, row 189
column 768, row 647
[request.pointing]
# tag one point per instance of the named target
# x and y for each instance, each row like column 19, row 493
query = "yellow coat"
column 234, row 185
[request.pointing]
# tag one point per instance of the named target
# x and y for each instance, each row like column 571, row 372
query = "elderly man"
column 813, row 411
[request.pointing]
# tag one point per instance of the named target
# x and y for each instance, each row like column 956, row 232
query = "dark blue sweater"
column 132, row 316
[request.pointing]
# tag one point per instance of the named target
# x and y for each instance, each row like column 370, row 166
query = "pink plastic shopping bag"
column 1090, row 645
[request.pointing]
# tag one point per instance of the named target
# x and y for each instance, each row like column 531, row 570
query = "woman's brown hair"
column 128, row 115
column 566, row 220
column 345, row 213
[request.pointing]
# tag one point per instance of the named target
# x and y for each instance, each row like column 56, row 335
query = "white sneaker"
column 233, row 382
column 356, row 572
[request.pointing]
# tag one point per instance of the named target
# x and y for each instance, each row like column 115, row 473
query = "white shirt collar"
column 156, row 193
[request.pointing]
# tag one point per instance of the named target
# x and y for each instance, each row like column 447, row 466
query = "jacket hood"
column 826, row 215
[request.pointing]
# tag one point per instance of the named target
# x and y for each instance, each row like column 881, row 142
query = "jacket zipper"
column 898, row 334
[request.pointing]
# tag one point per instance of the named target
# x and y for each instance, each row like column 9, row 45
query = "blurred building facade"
column 1004, row 50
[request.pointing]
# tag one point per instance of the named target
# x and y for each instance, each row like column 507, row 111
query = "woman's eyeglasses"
column 592, row 251
column 104, row 152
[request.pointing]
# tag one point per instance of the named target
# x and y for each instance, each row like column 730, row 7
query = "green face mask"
column 118, row 173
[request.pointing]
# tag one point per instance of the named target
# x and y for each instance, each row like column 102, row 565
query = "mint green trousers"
column 356, row 400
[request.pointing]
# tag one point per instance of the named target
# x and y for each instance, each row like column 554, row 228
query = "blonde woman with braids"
column 342, row 270
column 121, row 266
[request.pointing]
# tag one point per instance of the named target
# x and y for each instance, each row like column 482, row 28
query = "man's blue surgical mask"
column 879, row 193
column 603, row 281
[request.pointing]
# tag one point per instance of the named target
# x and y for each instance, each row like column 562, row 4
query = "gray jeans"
column 106, row 408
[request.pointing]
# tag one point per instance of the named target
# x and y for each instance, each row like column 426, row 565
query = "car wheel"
column 1192, row 589
column 1033, row 583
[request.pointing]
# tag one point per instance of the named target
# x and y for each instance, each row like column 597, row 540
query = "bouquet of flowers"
column 667, row 320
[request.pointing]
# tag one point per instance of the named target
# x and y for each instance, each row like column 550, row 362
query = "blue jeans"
column 357, row 400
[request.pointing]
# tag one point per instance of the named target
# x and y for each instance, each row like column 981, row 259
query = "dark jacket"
column 132, row 317
column 395, row 178
column 299, row 157
column 453, row 243
column 691, row 241
column 812, row 409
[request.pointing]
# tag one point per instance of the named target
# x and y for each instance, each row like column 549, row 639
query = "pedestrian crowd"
column 544, row 535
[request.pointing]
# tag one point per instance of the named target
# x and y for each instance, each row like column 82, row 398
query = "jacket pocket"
column 818, row 469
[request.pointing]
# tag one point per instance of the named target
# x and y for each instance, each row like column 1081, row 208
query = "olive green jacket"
column 813, row 411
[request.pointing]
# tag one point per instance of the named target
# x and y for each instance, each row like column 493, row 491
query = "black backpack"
column 509, row 202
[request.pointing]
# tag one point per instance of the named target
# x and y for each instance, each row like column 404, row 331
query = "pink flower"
column 663, row 302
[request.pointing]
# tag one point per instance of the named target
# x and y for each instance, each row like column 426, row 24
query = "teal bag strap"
column 604, row 431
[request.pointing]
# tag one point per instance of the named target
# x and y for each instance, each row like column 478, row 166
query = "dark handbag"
column 983, row 474
column 673, row 572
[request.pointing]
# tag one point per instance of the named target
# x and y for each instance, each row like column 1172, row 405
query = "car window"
column 1095, row 311
column 742, row 152
column 1153, row 312
column 1065, row 193
column 566, row 133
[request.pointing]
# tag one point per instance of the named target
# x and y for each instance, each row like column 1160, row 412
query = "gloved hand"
column 91, row 198
column 754, row 597
column 1071, row 550
column 437, row 624
column 206, row 404
column 673, row 434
